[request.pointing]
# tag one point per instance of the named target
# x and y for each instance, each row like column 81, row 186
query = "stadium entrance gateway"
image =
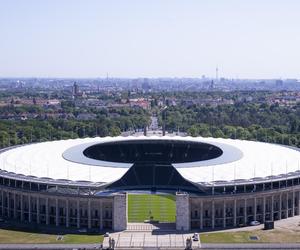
column 162, row 210
column 151, row 208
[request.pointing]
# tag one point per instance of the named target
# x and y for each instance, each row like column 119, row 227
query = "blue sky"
column 153, row 38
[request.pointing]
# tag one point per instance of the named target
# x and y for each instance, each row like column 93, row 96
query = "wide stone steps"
column 144, row 227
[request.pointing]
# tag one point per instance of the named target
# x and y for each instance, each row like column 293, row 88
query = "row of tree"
column 261, row 122
column 35, row 130
column 254, row 133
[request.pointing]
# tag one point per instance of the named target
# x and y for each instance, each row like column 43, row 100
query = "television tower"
column 217, row 73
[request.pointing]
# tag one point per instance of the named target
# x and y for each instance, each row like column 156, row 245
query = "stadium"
column 87, row 183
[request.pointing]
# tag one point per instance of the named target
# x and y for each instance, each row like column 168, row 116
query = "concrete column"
column 38, row 219
column 293, row 203
column 22, row 207
column 56, row 213
column 298, row 202
column 78, row 214
column 245, row 212
column 213, row 214
column 89, row 215
column 264, row 209
column 255, row 209
column 201, row 214
column 224, row 213
column 100, row 215
column 120, row 212
column 47, row 211
column 67, row 213
column 234, row 212
column 8, row 205
column 199, row 211
column 29, row 209
column 15, row 206
column 2, row 203
column 287, row 204
column 280, row 206
column 272, row 208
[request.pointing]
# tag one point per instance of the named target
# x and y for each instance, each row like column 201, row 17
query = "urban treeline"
column 267, row 123
column 252, row 115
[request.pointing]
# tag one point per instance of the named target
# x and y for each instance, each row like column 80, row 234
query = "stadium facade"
column 83, row 183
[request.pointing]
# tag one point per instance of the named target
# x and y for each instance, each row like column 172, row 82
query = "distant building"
column 86, row 116
column 75, row 90
column 211, row 86
column 139, row 102
column 145, row 85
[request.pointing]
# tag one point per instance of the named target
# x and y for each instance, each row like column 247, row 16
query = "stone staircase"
column 147, row 227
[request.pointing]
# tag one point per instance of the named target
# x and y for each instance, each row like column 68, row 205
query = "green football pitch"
column 160, row 207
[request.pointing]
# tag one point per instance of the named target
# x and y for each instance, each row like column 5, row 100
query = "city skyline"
column 87, row 39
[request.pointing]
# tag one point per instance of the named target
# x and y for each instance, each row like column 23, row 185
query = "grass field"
column 160, row 207
column 270, row 236
column 12, row 236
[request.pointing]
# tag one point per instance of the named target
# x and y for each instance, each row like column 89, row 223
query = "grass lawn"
column 160, row 207
column 11, row 236
column 269, row 236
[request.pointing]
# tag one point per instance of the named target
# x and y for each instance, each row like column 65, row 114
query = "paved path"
column 154, row 123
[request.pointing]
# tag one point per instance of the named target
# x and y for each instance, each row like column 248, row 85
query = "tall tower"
column 217, row 73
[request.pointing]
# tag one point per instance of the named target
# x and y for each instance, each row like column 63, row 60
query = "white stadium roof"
column 65, row 160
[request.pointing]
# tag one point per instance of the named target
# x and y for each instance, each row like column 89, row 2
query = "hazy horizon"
column 136, row 38
column 142, row 77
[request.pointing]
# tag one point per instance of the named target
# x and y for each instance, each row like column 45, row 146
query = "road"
column 154, row 123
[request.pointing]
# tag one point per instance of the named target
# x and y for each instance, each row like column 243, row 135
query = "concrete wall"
column 120, row 212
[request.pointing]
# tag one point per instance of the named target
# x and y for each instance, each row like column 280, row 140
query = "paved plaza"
column 128, row 239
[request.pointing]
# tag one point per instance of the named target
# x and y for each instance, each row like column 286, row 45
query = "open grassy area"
column 11, row 236
column 269, row 236
column 160, row 207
